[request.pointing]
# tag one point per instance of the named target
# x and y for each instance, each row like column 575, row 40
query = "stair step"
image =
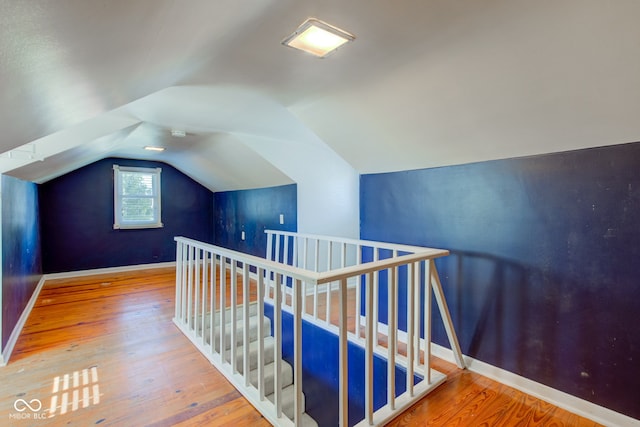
column 269, row 344
column 253, row 311
column 253, row 332
column 269, row 378
column 287, row 400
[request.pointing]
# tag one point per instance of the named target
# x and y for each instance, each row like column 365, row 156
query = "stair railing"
column 367, row 268
column 209, row 281
column 299, row 273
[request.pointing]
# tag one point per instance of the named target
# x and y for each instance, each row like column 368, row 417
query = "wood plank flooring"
column 147, row 373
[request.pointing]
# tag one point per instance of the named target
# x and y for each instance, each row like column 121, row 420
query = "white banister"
column 210, row 279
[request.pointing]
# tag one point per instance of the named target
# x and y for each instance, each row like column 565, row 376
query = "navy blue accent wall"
column 253, row 211
column 21, row 253
column 543, row 276
column 77, row 219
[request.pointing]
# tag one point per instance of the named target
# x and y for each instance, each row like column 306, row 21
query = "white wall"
column 328, row 187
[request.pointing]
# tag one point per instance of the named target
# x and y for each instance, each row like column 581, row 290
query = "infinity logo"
column 21, row 405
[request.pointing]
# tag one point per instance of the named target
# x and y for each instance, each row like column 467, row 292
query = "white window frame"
column 121, row 223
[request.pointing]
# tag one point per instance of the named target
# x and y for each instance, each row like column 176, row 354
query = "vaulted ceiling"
column 426, row 83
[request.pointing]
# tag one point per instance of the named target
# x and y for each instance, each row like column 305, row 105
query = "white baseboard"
column 558, row 398
column 108, row 270
column 563, row 400
column 17, row 330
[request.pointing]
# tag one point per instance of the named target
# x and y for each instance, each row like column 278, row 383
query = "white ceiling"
column 426, row 83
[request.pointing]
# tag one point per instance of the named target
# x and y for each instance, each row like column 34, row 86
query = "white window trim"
column 118, row 223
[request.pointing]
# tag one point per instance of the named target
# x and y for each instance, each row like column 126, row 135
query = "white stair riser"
column 269, row 378
column 269, row 356
column 287, row 400
column 269, row 344
column 253, row 332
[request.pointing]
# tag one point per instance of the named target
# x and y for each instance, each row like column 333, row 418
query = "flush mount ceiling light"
column 178, row 133
column 317, row 38
column 153, row 148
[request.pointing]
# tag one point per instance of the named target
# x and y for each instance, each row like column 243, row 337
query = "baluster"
column 285, row 260
column 185, row 280
column 304, row 267
column 179, row 282
column 196, row 291
column 358, row 294
column 205, row 289
column 376, row 295
column 446, row 316
column 277, row 254
column 277, row 334
column 410, row 325
column 212, row 322
column 295, row 251
column 368, row 363
column 427, row 322
column 190, row 288
column 343, row 367
column 245, row 307
column 233, row 316
column 285, row 255
column 316, row 267
column 223, row 310
column 416, row 312
column 328, row 293
column 297, row 355
column 392, row 322
column 260, row 284
column 269, row 254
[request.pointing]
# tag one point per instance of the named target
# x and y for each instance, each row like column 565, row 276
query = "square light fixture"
column 153, row 148
column 317, row 37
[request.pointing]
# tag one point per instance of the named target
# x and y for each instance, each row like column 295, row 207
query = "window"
column 136, row 197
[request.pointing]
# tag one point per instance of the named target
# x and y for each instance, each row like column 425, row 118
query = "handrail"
column 383, row 245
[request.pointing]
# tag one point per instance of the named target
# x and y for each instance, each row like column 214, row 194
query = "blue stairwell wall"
column 320, row 379
column 543, row 276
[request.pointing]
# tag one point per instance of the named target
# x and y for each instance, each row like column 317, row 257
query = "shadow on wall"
column 540, row 325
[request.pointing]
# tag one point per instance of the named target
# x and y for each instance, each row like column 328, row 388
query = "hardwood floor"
column 126, row 364
column 148, row 372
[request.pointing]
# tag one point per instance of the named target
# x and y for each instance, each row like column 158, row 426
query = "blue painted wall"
column 21, row 253
column 253, row 211
column 77, row 219
column 543, row 277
